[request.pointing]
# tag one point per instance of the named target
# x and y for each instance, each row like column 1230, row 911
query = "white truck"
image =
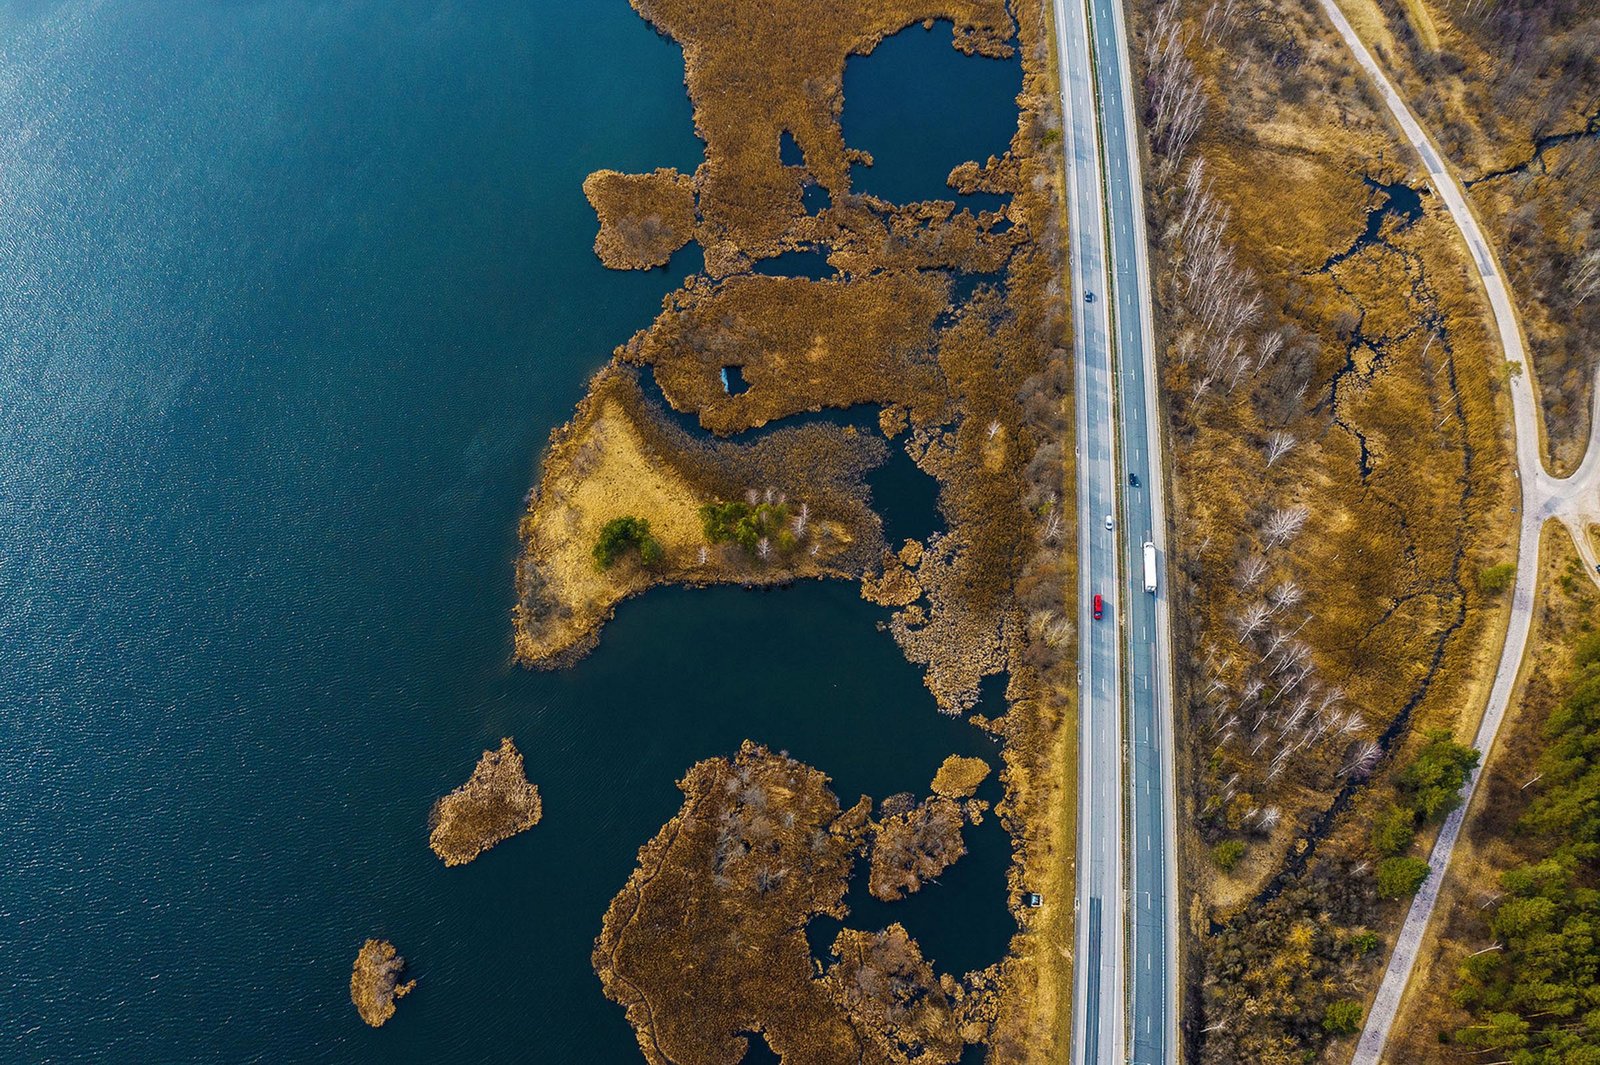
column 1149, row 566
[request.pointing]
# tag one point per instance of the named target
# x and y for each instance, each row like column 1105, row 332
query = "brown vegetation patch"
column 802, row 345
column 375, row 981
column 1512, row 93
column 895, row 586
column 1536, row 219
column 755, row 71
column 644, row 218
column 959, row 777
column 982, row 387
column 917, row 845
column 493, row 805
column 893, row 998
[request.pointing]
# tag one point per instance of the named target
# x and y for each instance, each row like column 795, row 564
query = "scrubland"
column 1340, row 478
column 1512, row 92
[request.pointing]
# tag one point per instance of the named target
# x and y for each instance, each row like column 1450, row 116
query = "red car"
column 1099, row 607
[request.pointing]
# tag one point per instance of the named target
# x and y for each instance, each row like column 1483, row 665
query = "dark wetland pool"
column 294, row 294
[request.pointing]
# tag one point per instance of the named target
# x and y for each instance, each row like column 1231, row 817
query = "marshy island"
column 733, row 441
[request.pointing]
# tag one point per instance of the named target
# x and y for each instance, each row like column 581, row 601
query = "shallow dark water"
column 294, row 294
column 921, row 108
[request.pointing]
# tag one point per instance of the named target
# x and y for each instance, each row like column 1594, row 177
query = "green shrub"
column 1227, row 854
column 1393, row 831
column 1495, row 579
column 1432, row 782
column 620, row 534
column 1588, row 651
column 748, row 524
column 1342, row 1017
column 1399, row 878
column 1364, row 942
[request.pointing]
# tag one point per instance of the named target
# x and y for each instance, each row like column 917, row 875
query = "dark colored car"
column 1088, row 297
column 1099, row 607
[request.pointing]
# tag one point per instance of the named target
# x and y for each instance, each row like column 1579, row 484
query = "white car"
column 1109, row 523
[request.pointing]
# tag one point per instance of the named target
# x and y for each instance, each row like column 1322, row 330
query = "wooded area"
column 1535, row 990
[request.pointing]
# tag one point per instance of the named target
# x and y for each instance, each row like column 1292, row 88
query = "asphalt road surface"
column 1125, row 993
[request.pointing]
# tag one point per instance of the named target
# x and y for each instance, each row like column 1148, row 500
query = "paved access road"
column 1574, row 500
column 1125, row 994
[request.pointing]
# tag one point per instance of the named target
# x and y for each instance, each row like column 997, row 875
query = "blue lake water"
column 293, row 294
column 921, row 107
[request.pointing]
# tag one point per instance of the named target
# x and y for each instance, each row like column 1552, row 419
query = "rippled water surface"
column 291, row 294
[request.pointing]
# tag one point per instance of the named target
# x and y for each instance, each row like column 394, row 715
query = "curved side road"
column 1574, row 500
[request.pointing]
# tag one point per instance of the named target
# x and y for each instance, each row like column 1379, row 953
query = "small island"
column 958, row 777
column 644, row 218
column 494, row 804
column 375, row 981
column 902, row 1011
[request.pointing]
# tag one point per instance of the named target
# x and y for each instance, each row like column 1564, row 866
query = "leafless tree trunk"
column 1284, row 524
column 1585, row 280
column 1279, row 444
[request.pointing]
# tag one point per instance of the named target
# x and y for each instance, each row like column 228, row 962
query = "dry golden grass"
column 1422, row 23
column 984, row 399
column 1534, row 221
column 959, row 777
column 706, row 941
column 1385, row 560
column 1567, row 606
column 1368, row 20
column 913, row 846
column 757, row 70
column 618, row 457
column 1401, row 459
column 1489, row 80
column 893, row 997
column 802, row 345
column 562, row 528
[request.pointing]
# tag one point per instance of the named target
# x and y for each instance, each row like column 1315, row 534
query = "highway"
column 1125, row 961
